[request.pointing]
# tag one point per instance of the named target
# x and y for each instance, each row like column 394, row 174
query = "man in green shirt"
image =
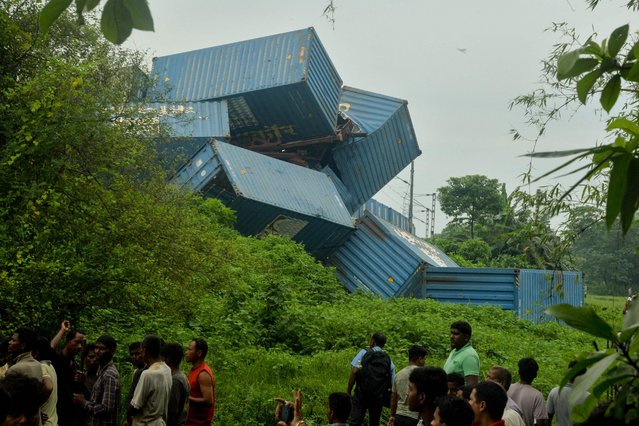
column 463, row 359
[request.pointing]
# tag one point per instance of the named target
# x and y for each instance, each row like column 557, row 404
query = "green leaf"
column 611, row 93
column 91, row 4
column 592, row 48
column 582, row 364
column 581, row 66
column 617, row 40
column 618, row 375
column 628, row 333
column 592, row 376
column 116, row 23
column 79, row 6
column 581, row 412
column 566, row 62
column 631, row 196
column 631, row 319
column 585, row 84
column 556, row 154
column 140, row 14
column 631, row 54
column 584, row 319
column 629, row 126
column 616, row 188
column 51, row 11
column 633, row 73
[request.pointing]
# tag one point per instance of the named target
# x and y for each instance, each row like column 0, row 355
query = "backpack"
column 374, row 378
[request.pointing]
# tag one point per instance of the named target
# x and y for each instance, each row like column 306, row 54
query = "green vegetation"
column 90, row 230
column 312, row 343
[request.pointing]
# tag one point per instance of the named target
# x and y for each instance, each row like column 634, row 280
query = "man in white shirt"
column 150, row 401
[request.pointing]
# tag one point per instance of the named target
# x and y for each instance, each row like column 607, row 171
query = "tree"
column 119, row 17
column 607, row 258
column 575, row 72
column 87, row 217
column 471, row 199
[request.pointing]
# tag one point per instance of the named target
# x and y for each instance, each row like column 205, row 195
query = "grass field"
column 609, row 308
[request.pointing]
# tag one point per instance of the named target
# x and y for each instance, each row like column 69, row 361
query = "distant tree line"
column 492, row 228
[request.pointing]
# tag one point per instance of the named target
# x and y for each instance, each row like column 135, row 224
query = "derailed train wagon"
column 269, row 195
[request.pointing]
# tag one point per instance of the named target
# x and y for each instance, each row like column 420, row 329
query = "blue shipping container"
column 527, row 292
column 270, row 195
column 283, row 87
column 389, row 214
column 195, row 119
column 540, row 289
column 366, row 164
column 381, row 258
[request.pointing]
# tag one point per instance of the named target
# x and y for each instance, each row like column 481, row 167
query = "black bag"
column 374, row 378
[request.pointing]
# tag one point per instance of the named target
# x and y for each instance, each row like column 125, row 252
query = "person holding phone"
column 290, row 413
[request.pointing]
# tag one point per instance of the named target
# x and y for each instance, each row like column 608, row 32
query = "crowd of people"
column 79, row 385
column 452, row 395
column 69, row 382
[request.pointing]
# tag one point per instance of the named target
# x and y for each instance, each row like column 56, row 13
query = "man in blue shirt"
column 360, row 401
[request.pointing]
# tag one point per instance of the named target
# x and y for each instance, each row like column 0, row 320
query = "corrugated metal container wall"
column 195, row 119
column 271, row 195
column 389, row 214
column 473, row 286
column 366, row 164
column 382, row 259
column 539, row 289
column 284, row 83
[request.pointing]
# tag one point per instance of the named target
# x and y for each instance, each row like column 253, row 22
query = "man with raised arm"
column 65, row 367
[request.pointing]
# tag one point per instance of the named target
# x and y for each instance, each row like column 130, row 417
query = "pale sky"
column 458, row 64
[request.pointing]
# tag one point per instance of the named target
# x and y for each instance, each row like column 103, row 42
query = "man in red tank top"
column 202, row 396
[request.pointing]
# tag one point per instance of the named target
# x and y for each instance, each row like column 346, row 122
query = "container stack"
column 267, row 127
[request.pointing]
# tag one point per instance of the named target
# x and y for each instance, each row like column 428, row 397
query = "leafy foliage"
column 517, row 234
column 88, row 220
column 470, row 199
column 615, row 368
column 606, row 67
column 119, row 17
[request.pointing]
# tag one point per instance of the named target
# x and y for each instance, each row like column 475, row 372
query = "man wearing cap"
column 463, row 358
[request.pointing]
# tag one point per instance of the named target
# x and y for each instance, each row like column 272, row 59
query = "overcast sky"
column 458, row 64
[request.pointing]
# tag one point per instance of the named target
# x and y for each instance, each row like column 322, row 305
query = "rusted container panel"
column 381, row 258
column 366, row 164
column 270, row 195
column 283, row 87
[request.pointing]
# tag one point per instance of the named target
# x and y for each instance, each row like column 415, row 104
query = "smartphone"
column 287, row 412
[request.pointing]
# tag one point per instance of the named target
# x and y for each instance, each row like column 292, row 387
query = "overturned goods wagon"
column 270, row 195
column 283, row 98
column 527, row 292
column 383, row 259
